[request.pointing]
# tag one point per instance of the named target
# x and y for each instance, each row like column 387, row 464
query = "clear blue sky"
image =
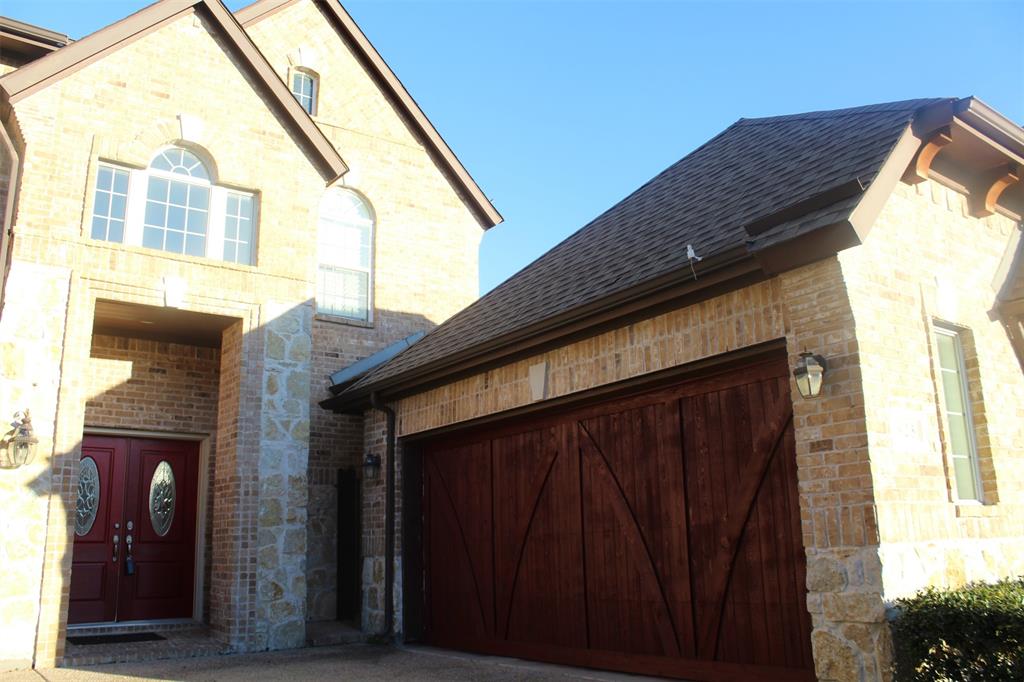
column 559, row 109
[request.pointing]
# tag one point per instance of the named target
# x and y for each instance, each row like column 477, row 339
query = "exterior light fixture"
column 809, row 372
column 371, row 466
column 21, row 442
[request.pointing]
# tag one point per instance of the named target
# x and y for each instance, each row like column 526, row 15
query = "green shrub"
column 969, row 634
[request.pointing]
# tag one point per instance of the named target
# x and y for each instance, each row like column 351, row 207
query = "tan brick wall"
column 152, row 385
column 736, row 320
column 122, row 108
column 926, row 260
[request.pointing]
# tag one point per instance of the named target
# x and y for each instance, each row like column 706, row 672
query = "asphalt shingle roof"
column 752, row 169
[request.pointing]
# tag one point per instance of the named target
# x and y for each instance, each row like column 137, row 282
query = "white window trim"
column 135, row 211
column 965, row 396
column 371, row 223
column 314, row 90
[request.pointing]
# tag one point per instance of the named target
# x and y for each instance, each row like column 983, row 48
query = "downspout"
column 389, row 517
column 7, row 236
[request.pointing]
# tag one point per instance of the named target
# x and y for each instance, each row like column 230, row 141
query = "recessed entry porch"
column 142, row 551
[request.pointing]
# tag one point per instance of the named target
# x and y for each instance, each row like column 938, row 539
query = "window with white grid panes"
column 345, row 253
column 955, row 399
column 238, row 228
column 174, row 206
column 110, row 203
column 304, row 89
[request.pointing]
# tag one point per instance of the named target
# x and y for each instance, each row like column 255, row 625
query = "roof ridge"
column 865, row 110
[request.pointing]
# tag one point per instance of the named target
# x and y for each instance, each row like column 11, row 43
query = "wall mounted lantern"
column 809, row 373
column 371, row 466
column 20, row 442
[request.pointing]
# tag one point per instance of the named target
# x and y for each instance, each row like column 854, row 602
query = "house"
column 206, row 214
column 609, row 460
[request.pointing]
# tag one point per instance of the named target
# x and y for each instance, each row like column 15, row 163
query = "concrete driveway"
column 346, row 662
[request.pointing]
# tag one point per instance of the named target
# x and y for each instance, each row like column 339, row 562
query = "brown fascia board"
column 486, row 213
column 65, row 61
column 738, row 267
column 835, row 237
column 718, row 274
column 259, row 10
column 36, row 34
column 997, row 128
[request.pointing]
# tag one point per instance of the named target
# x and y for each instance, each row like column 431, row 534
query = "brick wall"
column 926, row 261
column 152, row 385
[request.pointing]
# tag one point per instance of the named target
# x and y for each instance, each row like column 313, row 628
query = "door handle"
column 117, row 541
column 129, row 562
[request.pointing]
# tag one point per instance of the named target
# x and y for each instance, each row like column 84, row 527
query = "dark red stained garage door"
column 657, row 534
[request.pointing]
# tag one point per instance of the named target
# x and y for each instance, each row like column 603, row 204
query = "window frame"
column 369, row 269
column 956, row 334
column 94, row 186
column 135, row 210
column 314, row 96
column 188, row 180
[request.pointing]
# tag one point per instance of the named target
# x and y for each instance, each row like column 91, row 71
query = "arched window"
column 304, row 87
column 345, row 255
column 177, row 203
column 174, row 206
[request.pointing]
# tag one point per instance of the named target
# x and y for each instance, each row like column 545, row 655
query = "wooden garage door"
column 657, row 534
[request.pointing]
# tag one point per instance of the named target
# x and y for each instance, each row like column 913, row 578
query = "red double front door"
column 135, row 530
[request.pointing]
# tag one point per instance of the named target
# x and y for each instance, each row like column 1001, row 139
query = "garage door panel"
column 656, row 536
column 537, row 539
column 636, row 531
column 459, row 482
column 626, row 603
column 546, row 602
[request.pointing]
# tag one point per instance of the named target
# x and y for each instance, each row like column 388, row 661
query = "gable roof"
column 392, row 87
column 60, row 63
column 740, row 200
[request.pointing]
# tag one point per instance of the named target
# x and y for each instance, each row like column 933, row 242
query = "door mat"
column 85, row 640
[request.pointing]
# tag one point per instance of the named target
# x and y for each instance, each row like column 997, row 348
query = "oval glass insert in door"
column 88, row 496
column 161, row 498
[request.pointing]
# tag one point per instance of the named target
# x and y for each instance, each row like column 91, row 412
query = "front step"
column 178, row 642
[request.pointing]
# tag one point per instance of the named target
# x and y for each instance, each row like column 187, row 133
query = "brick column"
column 837, row 506
column 375, row 442
column 233, row 574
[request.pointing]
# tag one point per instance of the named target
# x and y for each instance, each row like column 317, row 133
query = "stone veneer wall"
column 30, row 360
column 283, row 466
column 927, row 260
